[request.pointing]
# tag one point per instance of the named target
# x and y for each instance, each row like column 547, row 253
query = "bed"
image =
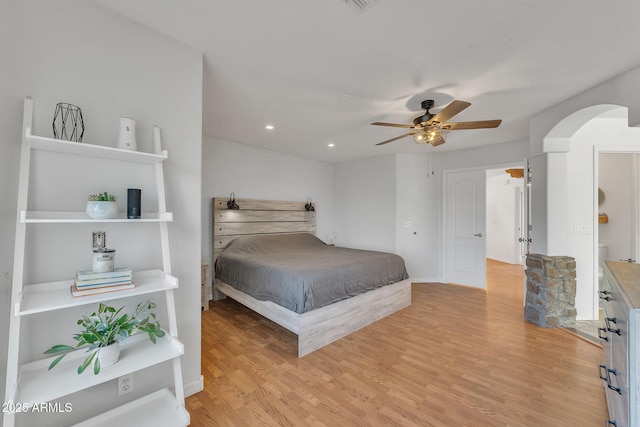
column 266, row 257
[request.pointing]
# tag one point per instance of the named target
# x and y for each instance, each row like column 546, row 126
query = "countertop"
column 628, row 277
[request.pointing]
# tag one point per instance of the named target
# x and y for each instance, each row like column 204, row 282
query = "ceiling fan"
column 430, row 128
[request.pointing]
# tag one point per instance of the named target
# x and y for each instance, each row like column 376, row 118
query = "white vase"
column 102, row 210
column 127, row 134
column 109, row 355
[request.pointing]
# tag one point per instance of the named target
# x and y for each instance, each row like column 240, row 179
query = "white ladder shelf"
column 32, row 383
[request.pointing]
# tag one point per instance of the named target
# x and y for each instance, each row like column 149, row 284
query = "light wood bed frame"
column 318, row 327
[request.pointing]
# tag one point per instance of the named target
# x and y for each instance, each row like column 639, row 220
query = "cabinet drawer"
column 617, row 407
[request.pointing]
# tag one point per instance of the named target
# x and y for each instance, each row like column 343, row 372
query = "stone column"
column 551, row 291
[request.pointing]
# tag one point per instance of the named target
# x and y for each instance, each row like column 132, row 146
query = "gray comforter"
column 300, row 272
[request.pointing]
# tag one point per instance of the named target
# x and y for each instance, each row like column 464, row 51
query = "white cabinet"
column 620, row 370
column 31, row 382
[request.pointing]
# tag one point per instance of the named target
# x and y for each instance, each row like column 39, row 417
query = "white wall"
column 502, row 217
column 570, row 192
column 365, row 202
column 621, row 90
column 374, row 197
column 416, row 190
column 553, row 220
column 365, row 194
column 74, row 51
column 254, row 173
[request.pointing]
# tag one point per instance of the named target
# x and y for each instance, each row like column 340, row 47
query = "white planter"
column 109, row 355
column 102, row 210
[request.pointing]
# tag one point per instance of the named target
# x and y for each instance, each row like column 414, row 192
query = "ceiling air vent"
column 360, row 5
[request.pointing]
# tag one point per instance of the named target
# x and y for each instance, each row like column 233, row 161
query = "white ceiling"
column 320, row 72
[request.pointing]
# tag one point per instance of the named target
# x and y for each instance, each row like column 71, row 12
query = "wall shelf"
column 38, row 384
column 43, row 297
column 155, row 409
column 91, row 150
column 44, row 217
column 28, row 379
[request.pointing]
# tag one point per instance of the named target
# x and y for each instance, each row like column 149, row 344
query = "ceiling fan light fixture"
column 428, row 135
column 433, row 134
column 420, row 138
column 430, row 128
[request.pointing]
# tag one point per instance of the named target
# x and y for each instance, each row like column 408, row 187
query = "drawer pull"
column 600, row 370
column 607, row 377
column 604, row 295
column 611, row 423
column 608, row 321
column 600, row 334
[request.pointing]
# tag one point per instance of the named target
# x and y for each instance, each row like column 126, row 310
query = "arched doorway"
column 570, row 182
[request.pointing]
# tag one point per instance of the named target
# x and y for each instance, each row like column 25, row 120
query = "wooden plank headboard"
column 258, row 217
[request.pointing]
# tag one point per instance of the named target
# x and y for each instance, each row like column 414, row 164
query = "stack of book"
column 93, row 283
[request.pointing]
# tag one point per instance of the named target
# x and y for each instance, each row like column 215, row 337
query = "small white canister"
column 103, row 260
column 127, row 134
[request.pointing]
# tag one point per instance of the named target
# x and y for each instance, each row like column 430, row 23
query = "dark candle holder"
column 68, row 123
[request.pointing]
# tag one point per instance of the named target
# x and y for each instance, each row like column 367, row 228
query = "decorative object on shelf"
column 127, row 134
column 133, row 203
column 96, row 282
column 603, row 218
column 600, row 197
column 107, row 327
column 232, row 204
column 99, row 239
column 309, row 206
column 102, row 206
column 109, row 355
column 103, row 260
column 68, row 123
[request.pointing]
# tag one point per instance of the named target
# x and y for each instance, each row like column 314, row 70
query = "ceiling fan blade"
column 395, row 125
column 449, row 111
column 396, row 138
column 481, row 124
column 438, row 141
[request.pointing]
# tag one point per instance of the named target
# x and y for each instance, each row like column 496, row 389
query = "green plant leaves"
column 96, row 365
column 58, row 348
column 56, row 360
column 103, row 197
column 87, row 362
column 105, row 327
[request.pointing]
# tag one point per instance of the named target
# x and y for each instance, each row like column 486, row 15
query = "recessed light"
column 269, row 127
column 331, row 144
column 344, row 97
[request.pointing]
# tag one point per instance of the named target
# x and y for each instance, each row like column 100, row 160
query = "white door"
column 465, row 256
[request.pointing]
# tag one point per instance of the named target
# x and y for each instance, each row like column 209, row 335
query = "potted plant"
column 102, row 206
column 102, row 332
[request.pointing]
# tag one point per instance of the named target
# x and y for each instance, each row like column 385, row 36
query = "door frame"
column 611, row 149
column 520, row 246
column 445, row 173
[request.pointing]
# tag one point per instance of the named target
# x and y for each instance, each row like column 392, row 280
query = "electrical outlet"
column 125, row 384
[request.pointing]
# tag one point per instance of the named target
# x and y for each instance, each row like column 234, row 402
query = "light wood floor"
column 457, row 357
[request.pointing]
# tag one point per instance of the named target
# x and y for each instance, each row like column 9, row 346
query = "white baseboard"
column 194, row 387
column 500, row 259
column 427, row 280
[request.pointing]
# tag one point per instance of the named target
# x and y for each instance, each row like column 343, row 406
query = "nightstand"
column 204, row 273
